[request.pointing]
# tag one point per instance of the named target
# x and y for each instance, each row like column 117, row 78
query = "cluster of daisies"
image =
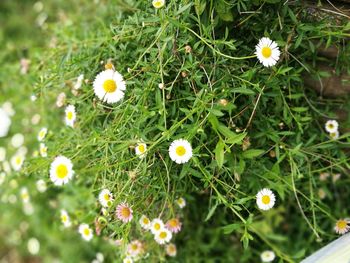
column 16, row 143
column 162, row 232
column 332, row 127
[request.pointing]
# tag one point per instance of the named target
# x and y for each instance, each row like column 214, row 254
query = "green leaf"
column 211, row 211
column 182, row 9
column 216, row 112
column 230, row 228
column 213, row 121
column 200, row 6
column 219, row 153
column 283, row 71
column 224, row 10
column 300, row 109
column 231, row 136
column 237, row 138
column 245, row 91
column 250, row 154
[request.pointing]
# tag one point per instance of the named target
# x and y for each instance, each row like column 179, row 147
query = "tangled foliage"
column 190, row 73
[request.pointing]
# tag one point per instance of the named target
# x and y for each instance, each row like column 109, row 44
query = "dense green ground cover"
column 250, row 127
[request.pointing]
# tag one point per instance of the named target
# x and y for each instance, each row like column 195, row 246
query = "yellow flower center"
column 266, row 52
column 146, row 221
column 106, row 197
column 134, row 247
column 163, row 235
column 266, row 199
column 173, row 222
column 86, row 231
column 180, row 151
column 171, row 248
column 69, row 115
column 125, row 212
column 42, row 134
column 342, row 224
column 157, row 4
column 64, row 218
column 330, row 126
column 109, row 86
column 109, row 65
column 142, row 148
column 61, row 171
column 156, row 226
column 18, row 160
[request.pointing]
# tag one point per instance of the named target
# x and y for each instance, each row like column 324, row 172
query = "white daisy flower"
column 8, row 108
column 65, row 218
column 334, row 135
column 265, row 199
column 28, row 209
column 180, row 151
column 17, row 161
column 158, row 3
column 61, row 99
column 86, row 232
column 156, row 225
column 124, row 212
column 128, row 260
column 24, row 195
column 33, row 246
column 33, row 97
column 35, row 119
column 109, row 86
column 5, row 121
column 12, row 199
column 267, row 52
column 145, row 222
column 321, row 194
column 173, row 225
column 331, row 126
column 342, row 226
column 106, row 198
column 41, row 186
column 163, row 236
column 77, row 84
column 43, row 150
column 61, row 170
column 22, row 150
column 267, row 256
column 6, row 167
column 134, row 248
column 42, row 133
column 17, row 140
column 141, row 149
column 181, row 202
column 171, row 250
column 70, row 115
column 13, row 184
column 100, row 257
column 2, row 177
column 2, row 154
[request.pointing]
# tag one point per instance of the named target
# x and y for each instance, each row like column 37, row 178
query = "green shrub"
column 190, row 73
